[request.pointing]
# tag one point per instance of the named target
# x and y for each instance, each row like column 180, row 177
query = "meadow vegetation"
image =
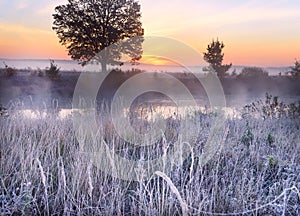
column 257, row 172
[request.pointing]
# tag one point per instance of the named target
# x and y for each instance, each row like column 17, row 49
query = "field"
column 253, row 167
column 256, row 171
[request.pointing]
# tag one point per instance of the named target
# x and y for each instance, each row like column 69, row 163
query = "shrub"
column 3, row 111
column 9, row 71
column 272, row 108
column 253, row 72
column 270, row 139
column 248, row 137
column 53, row 71
column 39, row 72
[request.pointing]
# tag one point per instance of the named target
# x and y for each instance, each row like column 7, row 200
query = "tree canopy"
column 214, row 57
column 89, row 29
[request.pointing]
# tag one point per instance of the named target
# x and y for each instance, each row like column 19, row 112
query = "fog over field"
column 36, row 90
column 249, row 163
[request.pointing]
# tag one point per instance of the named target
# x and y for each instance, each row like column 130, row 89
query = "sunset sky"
column 261, row 33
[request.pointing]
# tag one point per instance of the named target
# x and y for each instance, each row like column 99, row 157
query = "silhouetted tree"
column 88, row 27
column 295, row 71
column 214, row 57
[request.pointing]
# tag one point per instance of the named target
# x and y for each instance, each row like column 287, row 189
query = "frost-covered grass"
column 256, row 173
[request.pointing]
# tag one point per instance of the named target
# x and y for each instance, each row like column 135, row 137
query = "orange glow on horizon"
column 22, row 42
column 29, row 43
column 158, row 61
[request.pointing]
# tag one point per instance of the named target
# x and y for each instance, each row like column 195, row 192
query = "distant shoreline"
column 71, row 65
column 73, row 61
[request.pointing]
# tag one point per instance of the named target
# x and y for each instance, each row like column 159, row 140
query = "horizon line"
column 71, row 60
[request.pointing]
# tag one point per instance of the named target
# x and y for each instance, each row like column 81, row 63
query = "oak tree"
column 90, row 30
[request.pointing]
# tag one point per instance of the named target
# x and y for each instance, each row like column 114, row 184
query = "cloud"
column 21, row 5
column 173, row 18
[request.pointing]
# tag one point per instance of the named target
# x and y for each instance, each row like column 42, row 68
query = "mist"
column 31, row 91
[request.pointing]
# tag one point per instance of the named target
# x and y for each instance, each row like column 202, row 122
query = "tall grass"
column 257, row 172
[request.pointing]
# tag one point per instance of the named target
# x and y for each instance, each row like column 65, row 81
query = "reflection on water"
column 147, row 113
column 167, row 111
column 37, row 114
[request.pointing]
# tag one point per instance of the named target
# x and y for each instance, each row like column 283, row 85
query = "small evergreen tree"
column 214, row 57
column 295, row 71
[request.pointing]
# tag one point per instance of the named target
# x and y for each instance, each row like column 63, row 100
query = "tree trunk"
column 103, row 66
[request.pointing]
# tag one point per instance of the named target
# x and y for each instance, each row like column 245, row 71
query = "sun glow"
column 154, row 60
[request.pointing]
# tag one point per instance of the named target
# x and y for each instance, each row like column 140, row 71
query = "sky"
column 255, row 33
